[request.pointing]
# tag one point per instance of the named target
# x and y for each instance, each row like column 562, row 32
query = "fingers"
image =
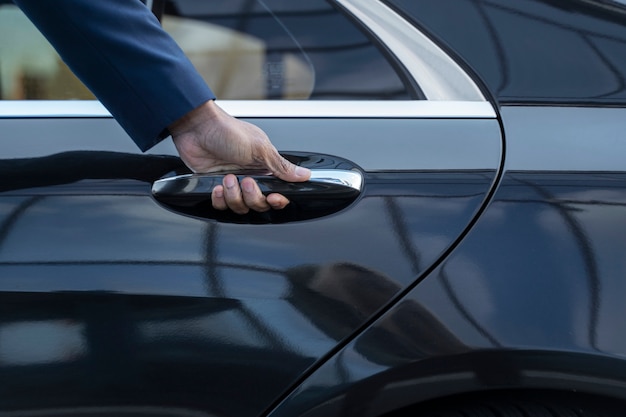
column 280, row 166
column 217, row 198
column 277, row 201
column 241, row 198
column 252, row 196
column 284, row 169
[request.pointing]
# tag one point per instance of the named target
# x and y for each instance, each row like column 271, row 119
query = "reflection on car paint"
column 264, row 300
column 485, row 316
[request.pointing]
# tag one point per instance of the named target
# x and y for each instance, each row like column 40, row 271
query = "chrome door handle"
column 326, row 184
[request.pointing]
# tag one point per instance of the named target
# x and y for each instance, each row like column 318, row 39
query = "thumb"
column 287, row 171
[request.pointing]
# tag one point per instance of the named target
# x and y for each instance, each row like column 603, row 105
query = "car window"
column 281, row 49
column 245, row 50
column 538, row 51
column 29, row 67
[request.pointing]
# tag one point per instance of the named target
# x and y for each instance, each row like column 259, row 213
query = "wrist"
column 192, row 120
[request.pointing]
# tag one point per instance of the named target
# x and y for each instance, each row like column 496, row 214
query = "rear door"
column 114, row 297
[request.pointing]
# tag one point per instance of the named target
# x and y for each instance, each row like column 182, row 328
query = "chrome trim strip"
column 439, row 77
column 360, row 109
column 350, row 179
column 270, row 109
column 52, row 108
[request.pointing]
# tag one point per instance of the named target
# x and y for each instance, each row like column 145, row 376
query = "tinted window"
column 534, row 50
column 272, row 49
column 245, row 49
column 29, row 67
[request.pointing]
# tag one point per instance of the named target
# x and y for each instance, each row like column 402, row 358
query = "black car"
column 461, row 253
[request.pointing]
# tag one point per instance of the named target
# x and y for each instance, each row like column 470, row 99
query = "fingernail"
column 247, row 186
column 230, row 181
column 219, row 192
column 278, row 206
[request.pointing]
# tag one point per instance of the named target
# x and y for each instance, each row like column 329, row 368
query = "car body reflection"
column 468, row 325
column 176, row 302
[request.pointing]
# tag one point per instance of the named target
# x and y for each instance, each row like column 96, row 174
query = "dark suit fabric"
column 120, row 52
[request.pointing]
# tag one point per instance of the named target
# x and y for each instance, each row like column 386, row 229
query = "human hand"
column 208, row 139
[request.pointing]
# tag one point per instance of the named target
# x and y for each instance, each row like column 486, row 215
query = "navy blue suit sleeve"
column 118, row 49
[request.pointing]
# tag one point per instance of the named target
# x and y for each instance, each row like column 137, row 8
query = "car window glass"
column 539, row 51
column 245, row 50
column 29, row 67
column 281, row 49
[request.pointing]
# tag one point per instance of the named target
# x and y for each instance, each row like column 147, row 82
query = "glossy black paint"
column 533, row 51
column 136, row 304
column 531, row 299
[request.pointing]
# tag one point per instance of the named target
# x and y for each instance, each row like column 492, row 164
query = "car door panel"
column 141, row 299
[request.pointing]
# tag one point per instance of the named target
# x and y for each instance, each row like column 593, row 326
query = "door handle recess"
column 325, row 184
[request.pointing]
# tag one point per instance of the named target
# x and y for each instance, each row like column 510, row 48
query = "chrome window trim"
column 270, row 109
column 438, row 75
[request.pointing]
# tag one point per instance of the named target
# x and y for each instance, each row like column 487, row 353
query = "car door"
column 116, row 297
